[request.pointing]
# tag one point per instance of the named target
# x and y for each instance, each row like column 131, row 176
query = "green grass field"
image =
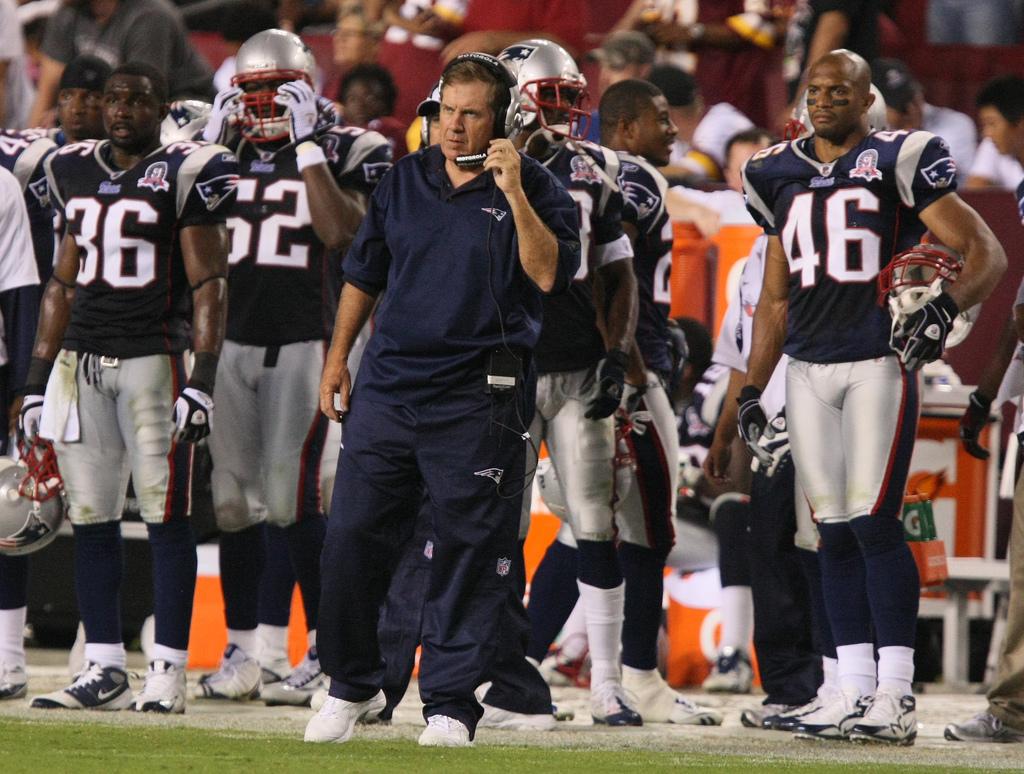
column 98, row 747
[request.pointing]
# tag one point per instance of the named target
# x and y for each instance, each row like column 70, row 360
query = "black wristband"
column 618, row 357
column 945, row 302
column 979, row 399
column 204, row 372
column 749, row 392
column 37, row 377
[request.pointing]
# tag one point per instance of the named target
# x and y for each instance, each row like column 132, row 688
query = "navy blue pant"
column 789, row 664
column 466, row 453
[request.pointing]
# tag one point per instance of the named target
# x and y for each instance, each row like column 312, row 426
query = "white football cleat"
column 275, row 670
column 443, row 731
column 495, row 717
column 610, row 705
column 13, row 682
column 239, row 677
column 658, row 703
column 834, row 720
column 164, row 690
column 983, row 727
column 296, row 689
column 891, row 719
column 94, row 688
column 337, row 718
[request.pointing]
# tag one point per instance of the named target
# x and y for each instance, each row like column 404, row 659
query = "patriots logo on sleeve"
column 643, row 199
column 216, row 190
column 41, row 191
column 941, row 173
column 374, row 171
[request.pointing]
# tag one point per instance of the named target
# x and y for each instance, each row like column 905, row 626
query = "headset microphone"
column 472, row 160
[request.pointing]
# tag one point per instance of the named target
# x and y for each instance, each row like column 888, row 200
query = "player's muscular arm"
column 616, row 301
column 769, row 317
column 55, row 308
column 354, row 310
column 335, row 213
column 716, row 464
column 205, row 252
column 957, row 225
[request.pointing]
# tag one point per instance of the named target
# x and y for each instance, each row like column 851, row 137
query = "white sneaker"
column 731, row 673
column 834, row 719
column 164, row 690
column 758, row 717
column 610, row 705
column 238, row 677
column 13, row 682
column 891, row 719
column 443, row 731
column 658, row 703
column 275, row 670
column 983, row 727
column 337, row 718
column 95, row 688
column 316, row 701
column 298, row 688
column 495, row 717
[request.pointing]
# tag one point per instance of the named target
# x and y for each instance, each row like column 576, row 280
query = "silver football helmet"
column 184, row 121
column 31, row 499
column 552, row 90
column 800, row 124
column 264, row 62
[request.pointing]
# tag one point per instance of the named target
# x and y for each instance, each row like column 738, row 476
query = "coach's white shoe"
column 13, row 682
column 983, row 727
column 495, row 717
column 610, row 705
column 891, row 719
column 239, row 677
column 443, row 731
column 337, row 718
column 95, row 688
column 834, row 720
column 164, row 690
column 298, row 688
column 658, row 703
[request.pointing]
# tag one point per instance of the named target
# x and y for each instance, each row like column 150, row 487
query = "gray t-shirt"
column 149, row 31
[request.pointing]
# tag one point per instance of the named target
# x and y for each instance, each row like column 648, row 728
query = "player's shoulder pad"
column 923, row 161
column 29, row 147
column 208, row 167
column 60, row 164
column 347, row 147
column 759, row 168
column 643, row 186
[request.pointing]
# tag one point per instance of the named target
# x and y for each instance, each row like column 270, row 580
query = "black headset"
column 508, row 115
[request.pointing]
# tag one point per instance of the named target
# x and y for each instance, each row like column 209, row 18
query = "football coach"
column 459, row 243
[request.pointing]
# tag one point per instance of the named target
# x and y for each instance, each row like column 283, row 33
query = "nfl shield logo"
column 504, row 565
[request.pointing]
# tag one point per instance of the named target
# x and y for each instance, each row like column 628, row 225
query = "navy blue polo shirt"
column 445, row 260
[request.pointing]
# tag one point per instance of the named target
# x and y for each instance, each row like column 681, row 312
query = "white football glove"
column 30, row 416
column 774, row 450
column 193, row 415
column 227, row 110
column 303, row 109
column 327, row 115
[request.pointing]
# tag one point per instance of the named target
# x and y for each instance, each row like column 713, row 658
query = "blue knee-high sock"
column 844, row 584
column 730, row 525
column 553, row 594
column 643, row 569
column 174, row 581
column 99, row 565
column 824, row 643
column 893, row 585
column 277, row 581
column 13, row 582
column 305, row 543
column 241, row 565
column 597, row 565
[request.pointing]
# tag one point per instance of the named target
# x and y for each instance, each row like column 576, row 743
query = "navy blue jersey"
column 644, row 189
column 132, row 296
column 279, row 291
column 840, row 223
column 22, row 154
column 1020, row 200
column 446, row 263
column 569, row 337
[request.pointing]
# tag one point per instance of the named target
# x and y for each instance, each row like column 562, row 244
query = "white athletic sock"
column 244, row 639
column 273, row 642
column 830, row 670
column 857, row 669
column 311, row 638
column 573, row 639
column 895, row 669
column 170, row 655
column 737, row 611
column 106, row 654
column 12, row 637
column 603, row 609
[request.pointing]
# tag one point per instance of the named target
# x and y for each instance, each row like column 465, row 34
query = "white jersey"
column 17, row 260
column 1002, row 170
column 955, row 128
column 719, row 123
column 730, row 205
column 736, row 335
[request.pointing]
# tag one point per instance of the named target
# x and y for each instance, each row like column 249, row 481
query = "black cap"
column 85, row 72
column 678, row 86
column 898, row 85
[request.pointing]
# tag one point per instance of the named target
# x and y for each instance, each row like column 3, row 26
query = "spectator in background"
column 700, row 147
column 907, row 109
column 119, row 31
column 355, row 41
column 992, row 169
column 997, row 163
column 623, row 55
column 732, row 39
column 239, row 22
column 16, row 93
column 974, row 22
column 367, row 98
column 491, row 25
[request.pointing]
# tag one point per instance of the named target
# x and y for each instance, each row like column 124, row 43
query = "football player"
column 836, row 205
column 144, row 242
column 301, row 195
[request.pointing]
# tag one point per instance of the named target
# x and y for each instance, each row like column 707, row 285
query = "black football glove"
column 973, row 422
column 609, row 380
column 777, row 446
column 922, row 338
column 753, row 423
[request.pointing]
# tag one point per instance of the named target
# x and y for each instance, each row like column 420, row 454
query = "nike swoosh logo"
column 104, row 695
